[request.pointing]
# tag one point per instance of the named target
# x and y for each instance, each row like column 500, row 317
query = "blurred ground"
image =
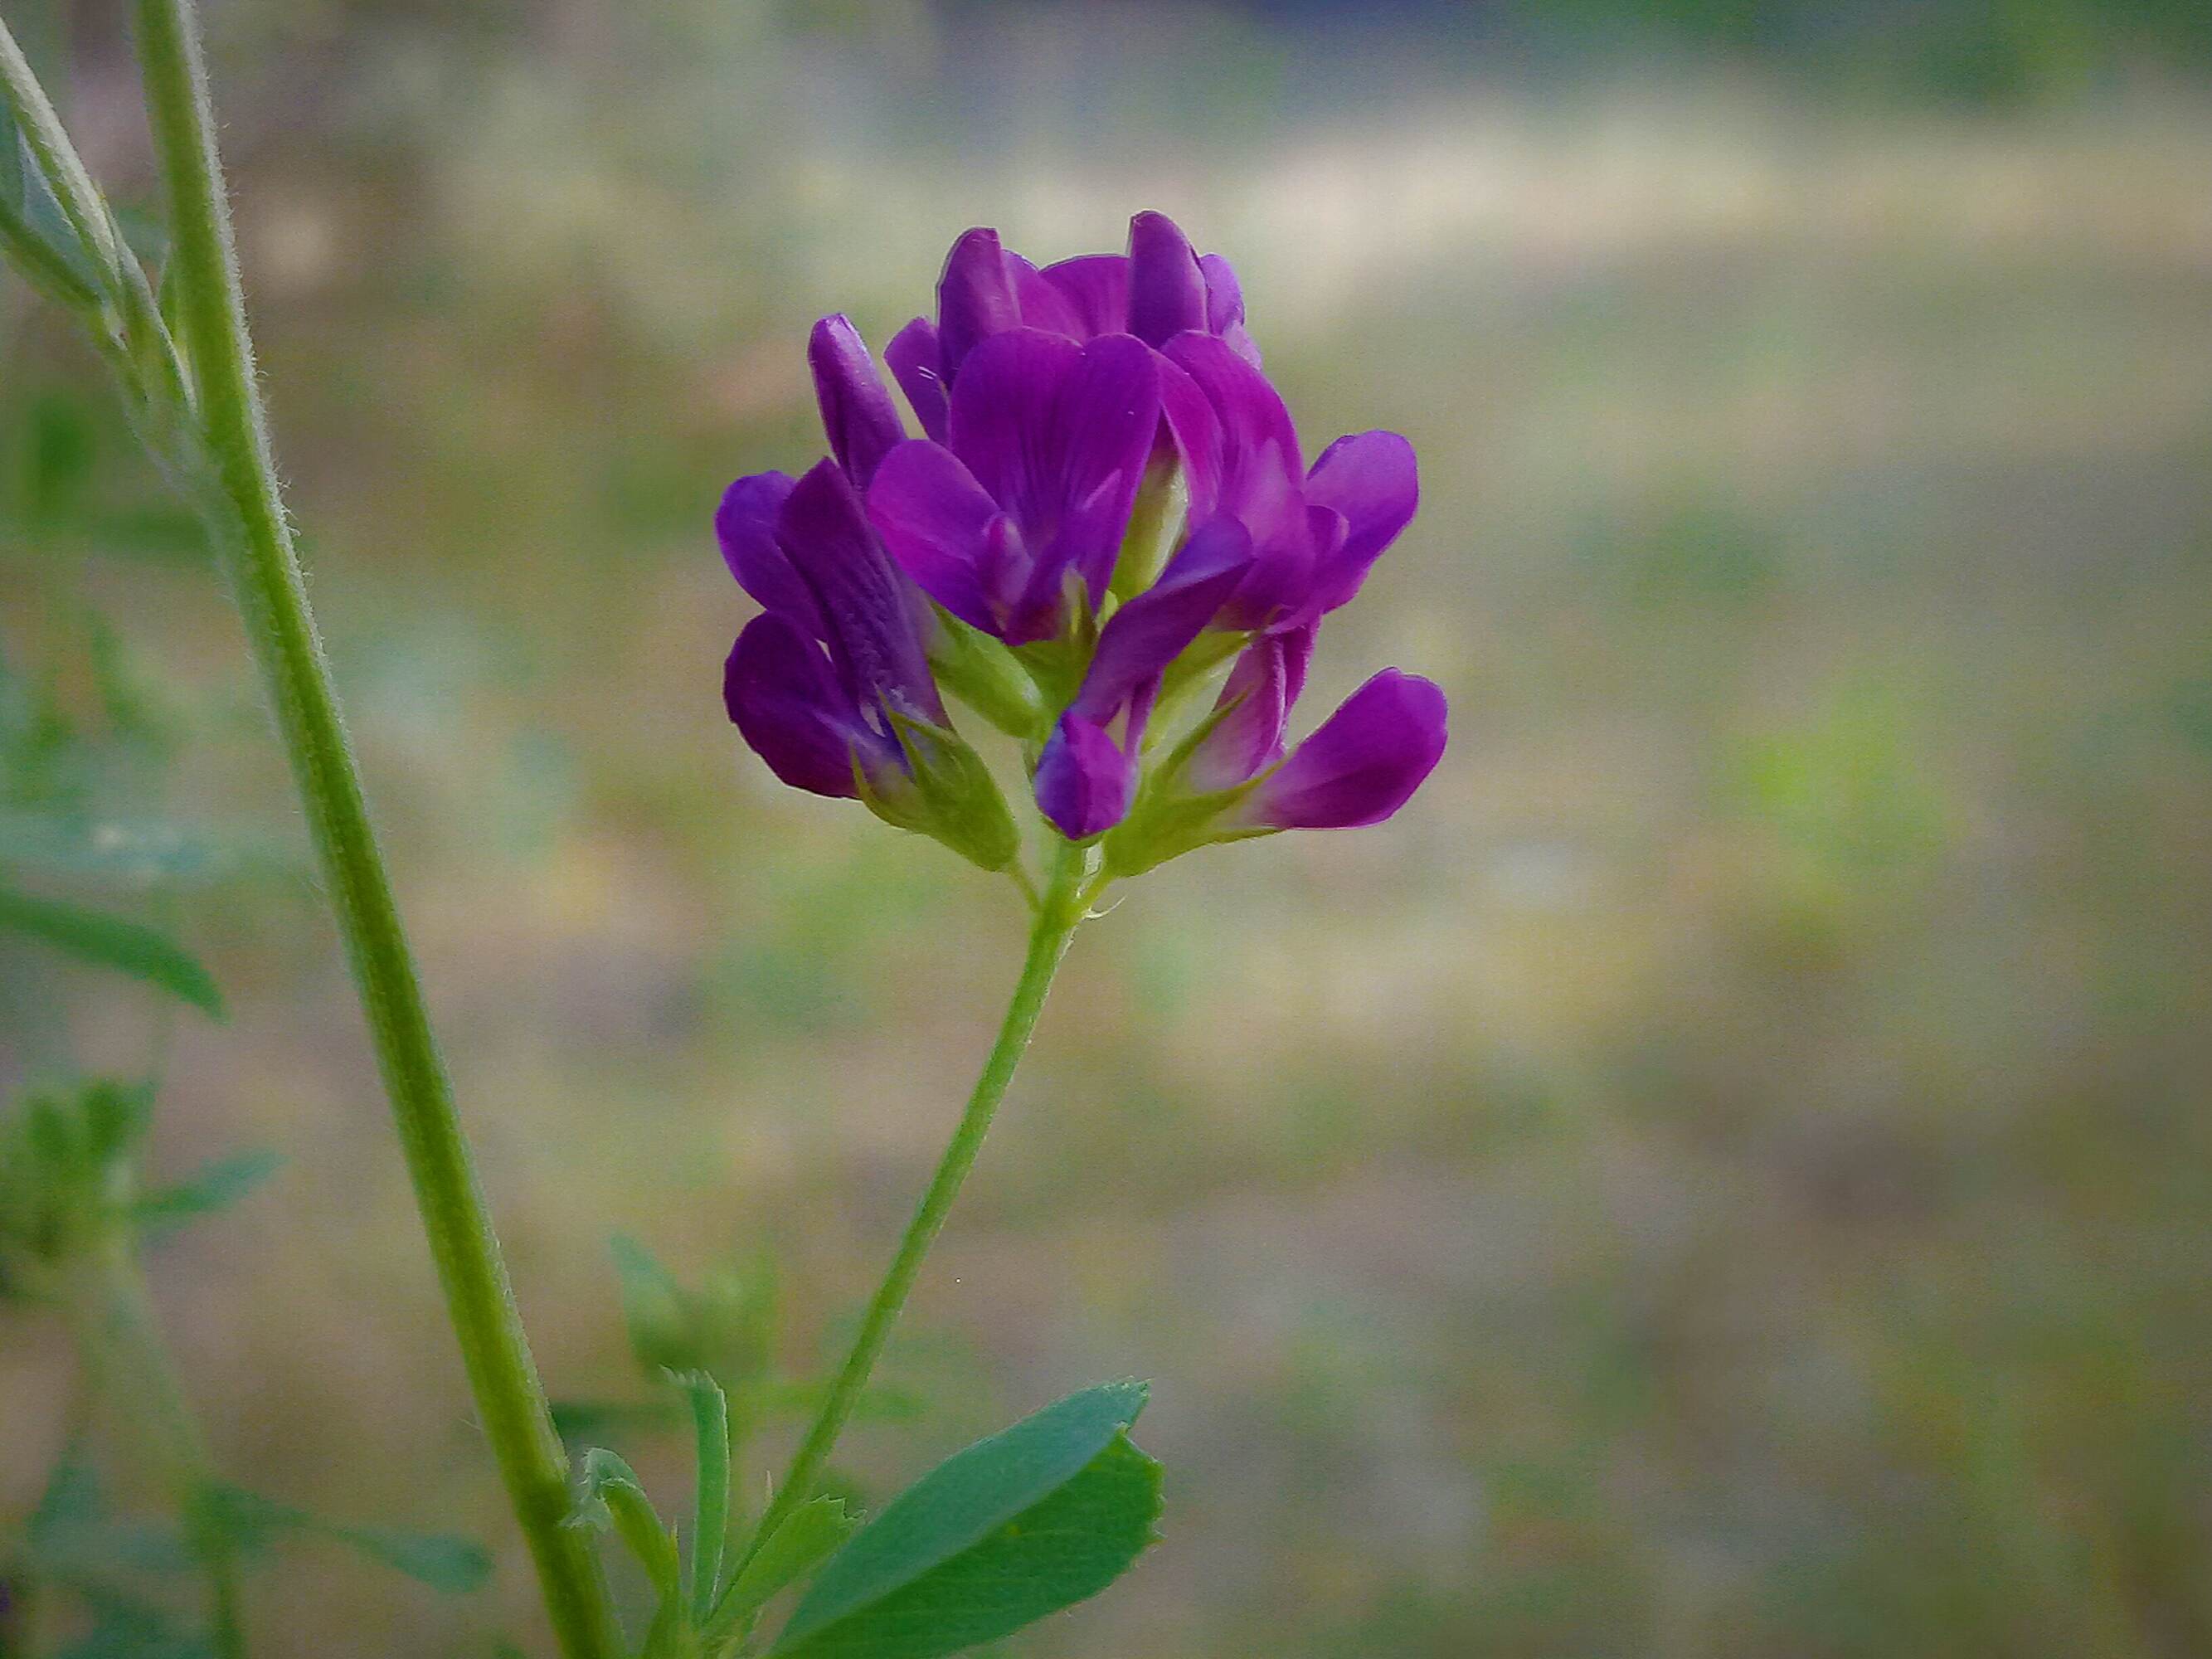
column 1725, row 1174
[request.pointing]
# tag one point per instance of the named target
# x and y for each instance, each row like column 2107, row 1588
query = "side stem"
column 265, row 576
column 1060, row 911
column 119, row 1344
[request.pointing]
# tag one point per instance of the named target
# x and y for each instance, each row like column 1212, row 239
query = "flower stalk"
column 264, row 572
column 1060, row 911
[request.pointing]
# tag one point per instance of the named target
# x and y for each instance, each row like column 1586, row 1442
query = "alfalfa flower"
column 1109, row 508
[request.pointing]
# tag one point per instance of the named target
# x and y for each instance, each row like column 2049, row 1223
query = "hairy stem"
column 265, row 576
column 1060, row 911
column 118, row 1342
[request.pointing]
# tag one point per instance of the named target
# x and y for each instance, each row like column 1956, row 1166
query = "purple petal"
column 1195, row 431
column 1249, row 738
column 744, row 524
column 935, row 521
column 1097, row 289
column 917, row 363
column 1225, row 307
column 857, row 412
column 873, row 614
column 976, row 298
column 1043, row 303
column 1362, row 765
column 1058, row 434
column 1084, row 780
column 1371, row 478
column 779, row 689
column 1156, row 627
column 1253, row 419
column 1167, row 290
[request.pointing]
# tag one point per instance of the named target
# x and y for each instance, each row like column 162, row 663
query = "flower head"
column 1109, row 506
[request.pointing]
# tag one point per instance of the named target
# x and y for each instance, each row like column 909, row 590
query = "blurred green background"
column 1724, row 1173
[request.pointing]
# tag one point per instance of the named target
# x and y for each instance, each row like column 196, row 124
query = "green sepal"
column 1164, row 822
column 948, row 794
column 984, row 673
column 1156, row 519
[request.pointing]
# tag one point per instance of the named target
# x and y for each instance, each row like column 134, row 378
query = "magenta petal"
column 1225, row 307
column 1363, row 764
column 1097, row 289
column 857, row 412
column 1084, row 780
column 1167, row 290
column 975, row 297
column 1156, row 627
column 917, row 363
column 1372, row 478
column 935, row 521
column 871, row 612
column 744, row 524
column 779, row 689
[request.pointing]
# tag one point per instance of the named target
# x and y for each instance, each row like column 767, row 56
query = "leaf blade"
column 966, row 1505
column 128, row 947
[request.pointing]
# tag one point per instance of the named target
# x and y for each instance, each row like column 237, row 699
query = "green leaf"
column 655, row 1308
column 614, row 1497
column 577, row 1420
column 33, row 230
column 710, row 1527
column 108, row 941
column 998, row 1536
column 444, row 1562
column 124, row 1627
column 808, row 1533
column 216, row 1186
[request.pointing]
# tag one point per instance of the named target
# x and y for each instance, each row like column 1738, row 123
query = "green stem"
column 1059, row 913
column 264, row 576
column 119, row 1339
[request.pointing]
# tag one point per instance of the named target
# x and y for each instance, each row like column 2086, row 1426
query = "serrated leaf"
column 1013, row 1528
column 806, row 1537
column 109, row 941
column 216, row 1186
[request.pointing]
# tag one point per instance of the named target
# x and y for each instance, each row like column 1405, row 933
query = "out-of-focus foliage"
column 1726, row 1175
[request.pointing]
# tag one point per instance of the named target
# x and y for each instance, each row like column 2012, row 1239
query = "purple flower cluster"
column 1109, row 505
